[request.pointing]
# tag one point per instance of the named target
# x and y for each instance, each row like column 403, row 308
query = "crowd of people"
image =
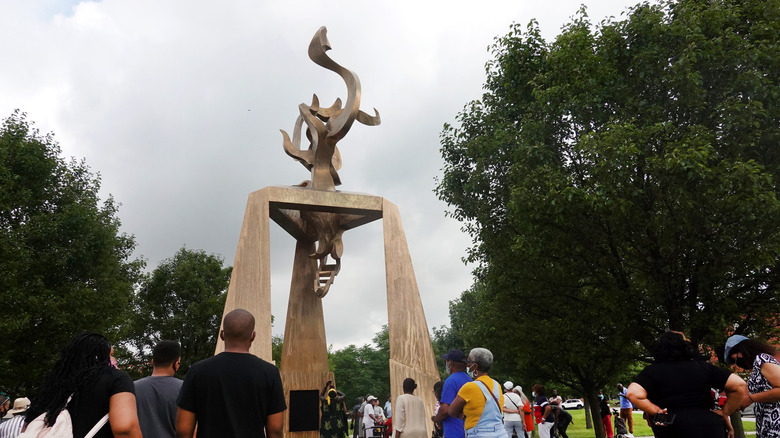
column 235, row 394
column 232, row 394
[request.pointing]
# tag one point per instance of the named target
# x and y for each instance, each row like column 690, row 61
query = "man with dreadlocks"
column 84, row 375
column 233, row 394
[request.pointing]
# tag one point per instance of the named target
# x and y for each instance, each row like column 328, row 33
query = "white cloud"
column 179, row 104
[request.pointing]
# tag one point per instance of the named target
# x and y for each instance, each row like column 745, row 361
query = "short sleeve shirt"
column 231, row 394
column 155, row 398
column 682, row 384
column 541, row 402
column 92, row 404
column 453, row 427
column 475, row 399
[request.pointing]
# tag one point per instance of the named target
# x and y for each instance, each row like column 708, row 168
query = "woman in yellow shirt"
column 481, row 400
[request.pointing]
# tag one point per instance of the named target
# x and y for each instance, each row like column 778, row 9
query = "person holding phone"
column 675, row 391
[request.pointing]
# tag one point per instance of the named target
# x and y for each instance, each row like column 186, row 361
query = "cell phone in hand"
column 665, row 419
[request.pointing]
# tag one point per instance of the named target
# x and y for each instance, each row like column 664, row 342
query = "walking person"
column 763, row 383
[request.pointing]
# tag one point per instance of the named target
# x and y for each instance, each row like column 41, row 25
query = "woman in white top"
column 513, row 411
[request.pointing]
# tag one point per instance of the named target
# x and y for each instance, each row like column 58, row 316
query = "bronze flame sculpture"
column 324, row 128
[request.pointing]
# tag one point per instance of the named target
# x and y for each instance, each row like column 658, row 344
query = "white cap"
column 508, row 385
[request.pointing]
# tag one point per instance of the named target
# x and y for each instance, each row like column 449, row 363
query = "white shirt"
column 367, row 412
column 512, row 402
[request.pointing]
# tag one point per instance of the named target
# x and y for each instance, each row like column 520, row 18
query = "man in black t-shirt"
column 233, row 394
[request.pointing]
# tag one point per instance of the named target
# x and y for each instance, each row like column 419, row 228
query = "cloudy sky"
column 178, row 105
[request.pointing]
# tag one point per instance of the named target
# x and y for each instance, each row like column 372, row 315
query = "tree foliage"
column 619, row 181
column 64, row 265
column 182, row 300
column 359, row 371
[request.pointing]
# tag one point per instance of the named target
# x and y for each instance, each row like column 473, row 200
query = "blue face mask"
column 470, row 372
column 601, row 397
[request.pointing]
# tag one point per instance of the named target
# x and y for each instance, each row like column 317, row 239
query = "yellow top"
column 475, row 400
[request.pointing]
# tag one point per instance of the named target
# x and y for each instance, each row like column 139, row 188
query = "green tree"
column 183, row 300
column 64, row 265
column 359, row 371
column 620, row 181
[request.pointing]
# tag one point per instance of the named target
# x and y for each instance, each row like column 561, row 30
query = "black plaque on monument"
column 304, row 410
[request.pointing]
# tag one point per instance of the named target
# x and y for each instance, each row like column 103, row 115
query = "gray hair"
column 482, row 357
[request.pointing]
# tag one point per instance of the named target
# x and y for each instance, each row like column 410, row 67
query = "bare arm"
column 772, row 373
column 736, row 395
column 185, row 423
column 274, row 424
column 546, row 412
column 638, row 397
column 456, row 408
column 122, row 415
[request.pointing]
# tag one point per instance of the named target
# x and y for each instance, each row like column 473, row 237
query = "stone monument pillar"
column 317, row 215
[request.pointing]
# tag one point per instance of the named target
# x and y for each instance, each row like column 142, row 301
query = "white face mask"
column 533, row 394
column 447, row 367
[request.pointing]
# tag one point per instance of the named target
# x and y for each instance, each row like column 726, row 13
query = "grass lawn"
column 577, row 429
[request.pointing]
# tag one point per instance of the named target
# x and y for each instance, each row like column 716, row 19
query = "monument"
column 317, row 215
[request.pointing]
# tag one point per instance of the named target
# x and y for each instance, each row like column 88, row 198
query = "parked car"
column 573, row 403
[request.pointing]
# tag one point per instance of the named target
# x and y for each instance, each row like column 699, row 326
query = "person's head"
column 332, row 395
column 620, row 387
column 80, row 363
column 238, row 330
column 437, row 388
column 409, row 385
column 508, row 385
column 20, row 405
column 537, row 390
column 519, row 391
column 555, row 393
column 166, row 355
column 480, row 361
column 454, row 361
column 5, row 403
column 371, row 400
column 673, row 346
column 743, row 351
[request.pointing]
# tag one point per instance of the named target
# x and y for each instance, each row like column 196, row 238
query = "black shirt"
column 231, row 394
column 682, row 384
column 92, row 404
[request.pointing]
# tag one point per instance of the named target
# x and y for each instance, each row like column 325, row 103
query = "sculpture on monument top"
column 324, row 128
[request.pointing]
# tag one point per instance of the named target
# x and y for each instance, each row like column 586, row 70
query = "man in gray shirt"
column 156, row 395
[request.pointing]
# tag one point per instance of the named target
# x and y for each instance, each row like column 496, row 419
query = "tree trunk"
column 595, row 414
column 588, row 419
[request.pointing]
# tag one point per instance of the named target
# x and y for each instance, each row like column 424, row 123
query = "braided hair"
column 78, row 367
